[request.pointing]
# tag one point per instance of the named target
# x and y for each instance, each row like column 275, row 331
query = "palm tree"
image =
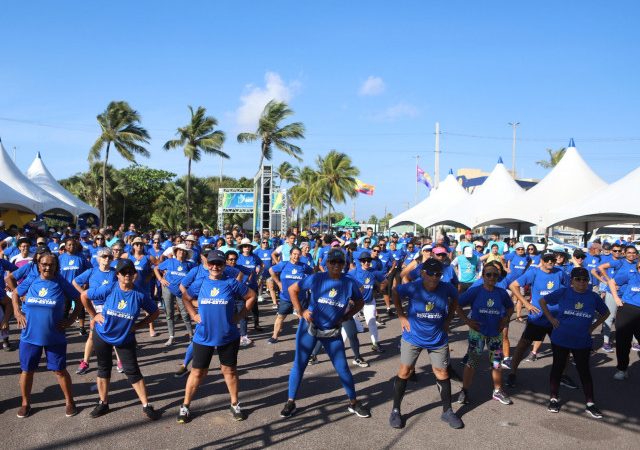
column 270, row 132
column 286, row 172
column 120, row 125
column 554, row 158
column 336, row 178
column 195, row 138
column 302, row 194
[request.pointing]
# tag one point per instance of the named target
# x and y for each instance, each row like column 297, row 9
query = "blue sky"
column 367, row 78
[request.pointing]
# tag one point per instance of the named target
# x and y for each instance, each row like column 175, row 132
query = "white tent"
column 40, row 176
column 12, row 199
column 40, row 200
column 613, row 204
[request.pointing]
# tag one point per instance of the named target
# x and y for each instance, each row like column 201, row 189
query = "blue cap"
column 84, row 233
column 364, row 255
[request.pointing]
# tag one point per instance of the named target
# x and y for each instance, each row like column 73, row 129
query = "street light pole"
column 513, row 124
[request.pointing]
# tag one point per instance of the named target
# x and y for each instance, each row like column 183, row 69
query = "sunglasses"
column 156, row 242
column 128, row 273
column 216, row 263
column 549, row 259
column 439, row 255
column 99, row 239
column 232, row 259
column 431, row 273
column 106, row 256
column 579, row 257
column 492, row 275
column 336, row 261
column 616, row 251
column 581, row 279
column 138, row 243
column 265, row 242
column 375, row 250
column 368, row 261
column 116, row 249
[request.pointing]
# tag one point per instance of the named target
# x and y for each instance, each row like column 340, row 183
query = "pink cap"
column 439, row 250
column 335, row 244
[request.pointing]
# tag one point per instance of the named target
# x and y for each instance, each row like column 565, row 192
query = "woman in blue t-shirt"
column 577, row 307
column 42, row 315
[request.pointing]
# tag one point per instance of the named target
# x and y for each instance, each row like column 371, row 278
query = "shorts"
column 533, row 332
column 285, row 308
column 30, row 356
column 477, row 343
column 227, row 353
column 409, row 355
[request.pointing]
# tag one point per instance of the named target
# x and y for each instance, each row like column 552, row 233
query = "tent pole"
column 584, row 236
column 546, row 237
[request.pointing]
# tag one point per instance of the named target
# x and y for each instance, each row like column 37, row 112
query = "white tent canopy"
column 40, row 176
column 12, row 199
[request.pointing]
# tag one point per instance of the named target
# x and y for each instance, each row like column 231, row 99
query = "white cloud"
column 255, row 98
column 395, row 112
column 372, row 86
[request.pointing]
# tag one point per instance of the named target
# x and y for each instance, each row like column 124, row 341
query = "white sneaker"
column 245, row 341
column 621, row 375
column 169, row 342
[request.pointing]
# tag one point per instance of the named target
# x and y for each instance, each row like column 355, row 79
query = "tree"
column 270, row 133
column 286, row 172
column 88, row 186
column 139, row 186
column 554, row 158
column 195, row 138
column 120, row 125
column 303, row 193
column 336, row 178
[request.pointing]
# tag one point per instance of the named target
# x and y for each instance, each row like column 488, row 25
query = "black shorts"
column 228, row 354
column 533, row 332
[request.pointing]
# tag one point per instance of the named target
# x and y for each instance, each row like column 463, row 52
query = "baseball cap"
column 439, row 251
column 579, row 272
column 432, row 265
column 84, row 233
column 578, row 253
column 335, row 254
column 41, row 240
column 518, row 245
column 364, row 255
column 468, row 232
column 42, row 250
column 215, row 256
column 124, row 265
column 426, row 247
column 548, row 254
column 606, row 246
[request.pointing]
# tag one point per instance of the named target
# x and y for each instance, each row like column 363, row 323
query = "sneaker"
column 272, row 340
column 379, row 323
column 463, row 397
column 24, row 411
column 184, row 415
column 568, row 382
column 359, row 410
column 182, row 371
column 274, row 306
column 245, row 341
column 237, row 412
column 607, row 348
column 83, row 368
column 360, row 362
column 169, row 342
column 395, row 419
column 593, row 410
column 635, row 347
column 289, row 409
column 377, row 349
column 533, row 357
column 506, row 363
column 511, row 380
column 100, row 410
column 151, row 413
column 502, row 397
column 83, row 331
column 6, row 346
column 390, row 312
column 621, row 375
column 452, row 419
column 120, row 369
column 554, row 406
column 312, row 360
column 70, row 410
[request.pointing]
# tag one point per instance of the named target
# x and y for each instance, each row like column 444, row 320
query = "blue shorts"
column 285, row 308
column 30, row 356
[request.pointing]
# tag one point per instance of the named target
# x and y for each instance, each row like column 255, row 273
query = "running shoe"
column 506, row 363
column 511, row 380
column 359, row 410
column 245, row 341
column 554, row 406
column 312, row 360
column 100, row 410
column 151, row 413
column 533, row 357
column 237, row 413
column 274, row 306
column 635, row 347
column 378, row 323
column 83, row 368
column 169, row 342
column 452, row 419
column 395, row 419
column 360, row 362
column 390, row 312
column 119, row 368
column 272, row 340
column 70, row 410
column 6, row 346
column 83, row 331
column 607, row 348
column 182, row 371
column 377, row 349
column 502, row 397
column 289, row 409
column 593, row 410
column 621, row 375
column 463, row 397
column 24, row 411
column 567, row 382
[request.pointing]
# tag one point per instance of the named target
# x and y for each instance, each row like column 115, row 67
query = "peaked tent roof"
column 12, row 199
column 346, row 222
column 40, row 200
column 40, row 176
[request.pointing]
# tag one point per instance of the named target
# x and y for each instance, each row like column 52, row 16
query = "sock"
column 444, row 386
column 399, row 386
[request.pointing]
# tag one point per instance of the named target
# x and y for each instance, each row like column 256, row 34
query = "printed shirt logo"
column 42, row 292
column 122, row 304
column 521, row 263
column 214, row 292
column 294, row 271
column 265, row 255
column 179, row 269
column 333, row 293
column 429, row 306
column 71, row 262
column 105, row 282
column 550, row 285
column 137, row 263
column 490, row 303
column 579, row 305
column 367, row 280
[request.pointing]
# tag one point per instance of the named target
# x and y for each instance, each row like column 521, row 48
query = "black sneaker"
column 237, row 413
column 452, row 419
column 511, row 380
column 289, row 409
column 182, row 371
column 554, row 406
column 463, row 397
column 390, row 312
column 359, row 410
column 6, row 346
column 83, row 331
column 533, row 357
column 312, row 360
column 377, row 349
column 568, row 382
column 100, row 410
column 151, row 413
column 184, row 415
column 593, row 410
column 395, row 419
column 24, row 411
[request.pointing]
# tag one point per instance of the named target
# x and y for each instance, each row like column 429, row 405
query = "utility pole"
column 513, row 124
column 437, row 157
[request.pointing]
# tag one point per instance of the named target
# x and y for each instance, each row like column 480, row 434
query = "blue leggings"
column 349, row 328
column 334, row 348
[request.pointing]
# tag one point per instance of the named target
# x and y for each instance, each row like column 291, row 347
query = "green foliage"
column 336, row 178
column 554, row 158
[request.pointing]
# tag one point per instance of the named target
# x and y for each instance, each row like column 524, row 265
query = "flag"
column 423, row 177
column 364, row 188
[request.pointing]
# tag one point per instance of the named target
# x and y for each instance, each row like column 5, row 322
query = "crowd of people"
column 125, row 279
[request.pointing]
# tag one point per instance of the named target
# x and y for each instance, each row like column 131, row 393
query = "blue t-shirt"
column 623, row 269
column 604, row 259
column 44, row 306
column 592, row 262
column 216, row 306
column 290, row 274
column 367, row 279
column 120, row 311
column 174, row 272
column 631, row 281
column 144, row 269
column 329, row 298
column 427, row 313
column 5, row 266
column 542, row 284
column 517, row 265
column 265, row 256
column 487, row 307
column 250, row 262
column 308, row 260
column 195, row 276
column 72, row 265
column 25, row 272
column 399, row 254
column 95, row 278
column 575, row 311
column 449, row 275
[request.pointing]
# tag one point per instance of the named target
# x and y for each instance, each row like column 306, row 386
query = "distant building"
column 470, row 179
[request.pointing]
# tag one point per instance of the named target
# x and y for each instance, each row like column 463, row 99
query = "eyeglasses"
column 138, row 243
column 520, row 248
column 106, row 256
column 156, row 242
column 265, row 242
column 440, row 255
column 531, row 249
column 492, row 275
column 431, row 273
column 116, row 249
column 581, row 279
